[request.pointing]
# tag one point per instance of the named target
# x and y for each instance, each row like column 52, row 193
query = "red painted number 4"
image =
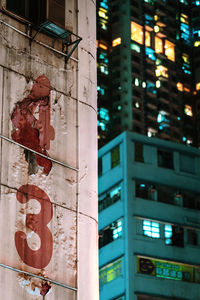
column 38, row 223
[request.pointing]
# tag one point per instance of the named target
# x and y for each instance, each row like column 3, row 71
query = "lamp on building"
column 152, row 188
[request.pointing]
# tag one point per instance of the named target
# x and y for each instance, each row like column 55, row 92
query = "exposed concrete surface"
column 50, row 107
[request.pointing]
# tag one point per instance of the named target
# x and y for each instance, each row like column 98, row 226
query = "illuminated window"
column 136, row 82
column 179, row 86
column 103, row 13
column 184, row 2
column 103, row 46
column 198, row 86
column 144, row 84
column 150, row 1
column 156, row 17
column 151, row 229
column 151, row 87
column 147, row 39
column 101, row 125
column 185, row 57
column 135, row 47
column 197, row 44
column 115, row 157
column 103, row 24
column 186, row 89
column 102, row 64
column 158, row 84
column 158, row 61
column 163, row 120
column 156, row 28
column 116, row 42
column 174, row 235
column 186, row 69
column 136, row 32
column 148, row 20
column 185, row 33
column 151, row 132
column 169, row 50
column 161, row 71
column 103, row 57
column 184, row 18
column 188, row 110
column 197, row 2
column 150, row 53
column 101, row 90
column 168, row 234
column 110, row 272
column 196, row 33
column 104, row 4
column 103, row 68
column 158, row 45
column 110, row 233
column 117, row 231
column 103, row 114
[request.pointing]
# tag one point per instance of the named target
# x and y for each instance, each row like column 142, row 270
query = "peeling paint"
column 34, row 286
column 31, row 119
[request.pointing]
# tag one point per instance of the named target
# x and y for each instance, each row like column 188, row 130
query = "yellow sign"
column 110, row 272
column 169, row 270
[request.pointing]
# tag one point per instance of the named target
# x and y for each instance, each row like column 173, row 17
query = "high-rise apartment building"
column 149, row 68
column 149, row 226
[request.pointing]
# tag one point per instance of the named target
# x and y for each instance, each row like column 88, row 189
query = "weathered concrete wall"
column 48, row 210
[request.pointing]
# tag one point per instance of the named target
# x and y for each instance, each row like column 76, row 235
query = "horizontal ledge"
column 38, row 153
column 39, row 277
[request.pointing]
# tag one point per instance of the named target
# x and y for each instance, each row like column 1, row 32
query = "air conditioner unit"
column 48, row 15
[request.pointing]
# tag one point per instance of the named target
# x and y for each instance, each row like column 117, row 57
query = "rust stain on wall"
column 31, row 119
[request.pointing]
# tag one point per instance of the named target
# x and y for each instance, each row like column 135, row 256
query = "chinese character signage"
column 169, row 270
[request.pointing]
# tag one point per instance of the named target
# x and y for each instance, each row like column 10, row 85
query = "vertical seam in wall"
column 2, row 93
column 77, row 160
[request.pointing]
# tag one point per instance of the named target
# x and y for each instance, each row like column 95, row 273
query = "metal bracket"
column 70, row 40
column 71, row 44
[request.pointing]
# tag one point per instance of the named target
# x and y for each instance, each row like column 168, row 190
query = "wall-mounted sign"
column 169, row 270
column 110, row 272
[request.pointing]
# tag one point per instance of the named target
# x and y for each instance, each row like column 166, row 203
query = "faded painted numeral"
column 38, row 223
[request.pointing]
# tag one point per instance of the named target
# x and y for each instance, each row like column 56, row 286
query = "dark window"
column 141, row 190
column 192, row 237
column 99, row 166
column 177, row 236
column 187, row 163
column 139, row 152
column 109, row 198
column 165, row 159
column 20, row 7
column 165, row 194
column 174, row 235
column 27, row 9
column 37, row 11
column 115, row 157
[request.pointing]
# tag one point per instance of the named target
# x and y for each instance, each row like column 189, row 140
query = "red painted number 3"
column 38, row 223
